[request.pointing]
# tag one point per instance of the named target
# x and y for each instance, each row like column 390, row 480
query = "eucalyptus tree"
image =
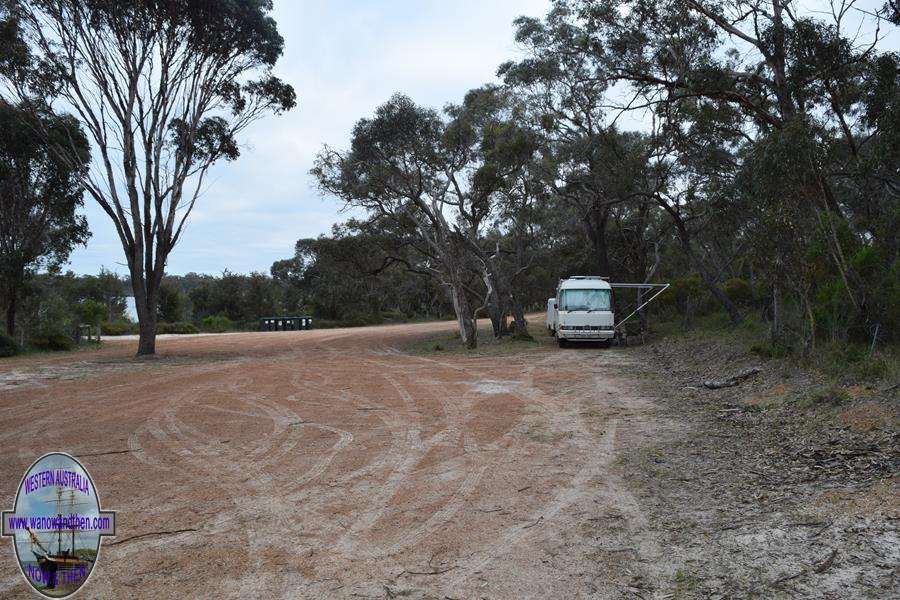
column 400, row 169
column 434, row 183
column 506, row 178
column 783, row 72
column 163, row 88
column 39, row 197
column 559, row 81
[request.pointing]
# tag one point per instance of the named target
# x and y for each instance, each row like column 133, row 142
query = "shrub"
column 326, row 324
column 217, row 324
column 871, row 368
column 854, row 359
column 8, row 346
column 118, row 328
column 361, row 320
column 91, row 312
column 853, row 353
column 54, row 342
column 394, row 316
column 832, row 309
column 177, row 328
column 353, row 320
column 684, row 296
column 55, row 319
column 769, row 350
column 738, row 290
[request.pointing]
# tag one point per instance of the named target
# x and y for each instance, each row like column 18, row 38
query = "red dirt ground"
column 330, row 463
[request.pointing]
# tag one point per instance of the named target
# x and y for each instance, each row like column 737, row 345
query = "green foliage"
column 91, row 312
column 40, row 194
column 118, row 328
column 53, row 342
column 770, row 350
column 8, row 346
column 833, row 310
column 854, row 361
column 881, row 278
column 685, row 295
column 54, row 304
column 872, row 368
column 217, row 324
column 179, row 328
column 238, row 297
column 170, row 303
column 331, row 278
column 739, row 290
column 54, row 317
column 351, row 320
column 106, row 288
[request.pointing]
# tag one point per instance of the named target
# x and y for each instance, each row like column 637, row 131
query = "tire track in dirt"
column 332, row 464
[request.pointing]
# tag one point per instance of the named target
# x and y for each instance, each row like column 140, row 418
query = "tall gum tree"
column 39, row 197
column 557, row 79
column 163, row 88
column 402, row 168
column 501, row 186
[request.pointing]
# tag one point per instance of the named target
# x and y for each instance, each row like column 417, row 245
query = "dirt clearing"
column 332, row 463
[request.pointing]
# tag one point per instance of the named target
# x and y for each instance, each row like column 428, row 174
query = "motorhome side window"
column 584, row 300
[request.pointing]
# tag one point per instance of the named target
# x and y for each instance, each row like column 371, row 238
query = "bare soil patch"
column 333, row 463
column 785, row 486
column 366, row 463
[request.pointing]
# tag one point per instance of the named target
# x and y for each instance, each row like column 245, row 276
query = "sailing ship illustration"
column 67, row 566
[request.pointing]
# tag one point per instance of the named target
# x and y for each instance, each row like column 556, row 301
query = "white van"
column 582, row 311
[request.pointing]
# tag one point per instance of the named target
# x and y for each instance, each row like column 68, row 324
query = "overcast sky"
column 344, row 58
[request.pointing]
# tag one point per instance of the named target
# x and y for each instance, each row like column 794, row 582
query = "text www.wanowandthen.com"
column 61, row 523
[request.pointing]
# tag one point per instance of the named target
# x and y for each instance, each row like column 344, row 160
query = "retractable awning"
column 660, row 287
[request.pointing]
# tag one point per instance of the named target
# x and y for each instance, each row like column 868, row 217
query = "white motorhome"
column 582, row 311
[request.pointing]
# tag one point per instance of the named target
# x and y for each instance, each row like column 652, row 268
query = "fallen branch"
column 533, row 524
column 822, row 567
column 715, row 384
column 820, row 530
column 435, row 572
column 102, row 453
column 152, row 533
column 789, row 577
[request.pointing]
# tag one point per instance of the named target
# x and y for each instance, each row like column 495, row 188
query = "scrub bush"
column 8, row 346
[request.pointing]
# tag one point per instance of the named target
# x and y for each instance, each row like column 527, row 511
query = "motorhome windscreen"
column 584, row 300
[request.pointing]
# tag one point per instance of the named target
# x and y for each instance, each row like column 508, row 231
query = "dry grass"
column 869, row 416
